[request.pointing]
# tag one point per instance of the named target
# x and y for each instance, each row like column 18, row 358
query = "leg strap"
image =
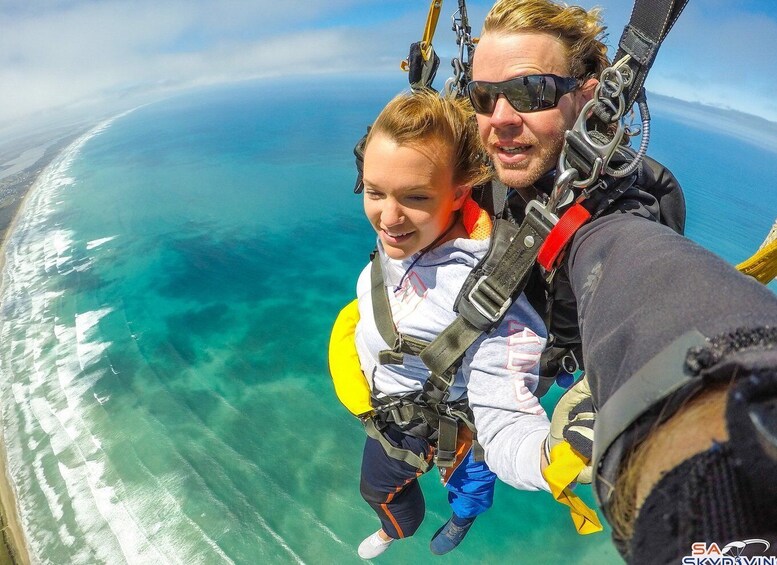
column 394, row 452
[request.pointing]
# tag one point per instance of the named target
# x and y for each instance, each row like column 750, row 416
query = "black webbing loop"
column 446, row 441
column 421, row 71
column 649, row 24
column 358, row 152
column 579, row 153
column 492, row 197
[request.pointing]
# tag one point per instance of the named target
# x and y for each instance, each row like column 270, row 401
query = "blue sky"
column 57, row 54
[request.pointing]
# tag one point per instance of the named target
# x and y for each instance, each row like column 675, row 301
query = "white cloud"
column 61, row 53
column 54, row 55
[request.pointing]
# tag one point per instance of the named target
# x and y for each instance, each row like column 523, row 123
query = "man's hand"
column 573, row 421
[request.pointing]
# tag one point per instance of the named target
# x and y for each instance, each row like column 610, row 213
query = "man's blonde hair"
column 418, row 117
column 580, row 31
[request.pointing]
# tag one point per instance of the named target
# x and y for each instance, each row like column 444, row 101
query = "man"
column 535, row 67
column 528, row 40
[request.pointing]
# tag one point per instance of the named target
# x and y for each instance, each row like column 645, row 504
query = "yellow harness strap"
column 429, row 29
column 565, row 465
column 763, row 265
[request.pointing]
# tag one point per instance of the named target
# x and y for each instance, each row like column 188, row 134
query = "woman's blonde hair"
column 580, row 31
column 423, row 116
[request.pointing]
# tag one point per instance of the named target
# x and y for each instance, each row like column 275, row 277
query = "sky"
column 66, row 55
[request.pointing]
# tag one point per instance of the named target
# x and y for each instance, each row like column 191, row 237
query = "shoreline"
column 14, row 190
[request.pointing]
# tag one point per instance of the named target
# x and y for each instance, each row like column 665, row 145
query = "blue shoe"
column 450, row 535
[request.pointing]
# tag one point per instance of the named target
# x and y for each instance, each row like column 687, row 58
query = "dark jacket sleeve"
column 663, row 185
column 663, row 203
column 639, row 285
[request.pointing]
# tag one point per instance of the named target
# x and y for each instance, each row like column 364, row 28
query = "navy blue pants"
column 391, row 486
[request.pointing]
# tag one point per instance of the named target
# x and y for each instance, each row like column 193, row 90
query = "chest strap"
column 381, row 311
column 501, row 275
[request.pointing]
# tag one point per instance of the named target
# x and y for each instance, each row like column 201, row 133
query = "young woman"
column 422, row 157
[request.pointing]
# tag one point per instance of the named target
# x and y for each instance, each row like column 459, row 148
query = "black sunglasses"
column 530, row 93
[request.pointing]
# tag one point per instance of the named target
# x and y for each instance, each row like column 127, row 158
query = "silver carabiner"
column 562, row 189
column 609, row 91
column 604, row 151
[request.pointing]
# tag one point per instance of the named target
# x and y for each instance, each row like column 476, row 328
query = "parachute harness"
column 588, row 151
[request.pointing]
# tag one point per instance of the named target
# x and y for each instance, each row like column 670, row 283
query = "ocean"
column 168, row 293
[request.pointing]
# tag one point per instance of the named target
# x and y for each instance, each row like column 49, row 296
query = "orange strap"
column 476, row 220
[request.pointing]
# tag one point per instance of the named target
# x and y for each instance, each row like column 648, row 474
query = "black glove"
column 556, row 364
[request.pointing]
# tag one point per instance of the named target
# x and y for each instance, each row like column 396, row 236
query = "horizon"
column 68, row 56
column 36, row 131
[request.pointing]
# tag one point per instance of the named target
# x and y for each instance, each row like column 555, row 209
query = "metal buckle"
column 550, row 218
column 481, row 308
column 610, row 92
column 397, row 415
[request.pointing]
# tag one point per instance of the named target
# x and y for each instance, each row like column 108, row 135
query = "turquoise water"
column 169, row 291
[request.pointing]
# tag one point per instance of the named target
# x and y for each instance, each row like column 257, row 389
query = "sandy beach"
column 21, row 163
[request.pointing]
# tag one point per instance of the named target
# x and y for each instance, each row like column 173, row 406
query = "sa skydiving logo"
column 731, row 554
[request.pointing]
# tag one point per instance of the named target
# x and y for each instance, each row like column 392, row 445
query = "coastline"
column 19, row 170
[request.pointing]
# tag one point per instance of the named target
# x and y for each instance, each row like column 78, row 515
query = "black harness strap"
column 649, row 24
column 439, row 422
column 446, row 441
column 492, row 197
column 502, row 274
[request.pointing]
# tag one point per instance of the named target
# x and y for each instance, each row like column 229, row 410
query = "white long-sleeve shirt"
column 498, row 372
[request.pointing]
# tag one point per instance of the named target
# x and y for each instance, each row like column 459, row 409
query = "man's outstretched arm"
column 680, row 351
